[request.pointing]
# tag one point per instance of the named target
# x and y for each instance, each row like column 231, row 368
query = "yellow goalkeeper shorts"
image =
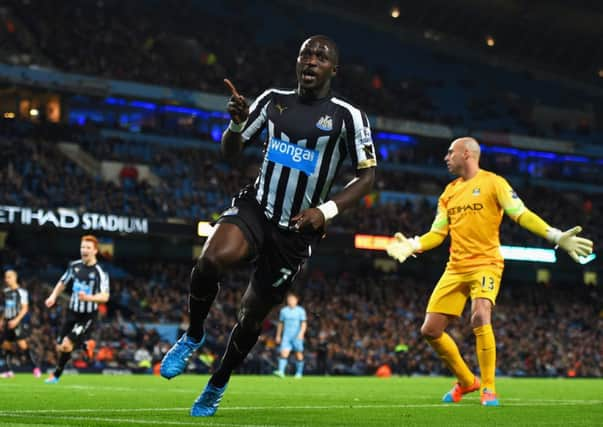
column 452, row 290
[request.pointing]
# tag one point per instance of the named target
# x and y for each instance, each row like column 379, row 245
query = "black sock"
column 203, row 288
column 63, row 359
column 198, row 309
column 239, row 345
column 29, row 355
column 6, row 357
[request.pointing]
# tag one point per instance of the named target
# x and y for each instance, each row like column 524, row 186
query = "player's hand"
column 83, row 296
column 312, row 217
column 50, row 301
column 237, row 106
column 401, row 247
column 575, row 246
column 12, row 324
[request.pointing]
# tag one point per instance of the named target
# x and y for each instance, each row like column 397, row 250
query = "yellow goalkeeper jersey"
column 472, row 212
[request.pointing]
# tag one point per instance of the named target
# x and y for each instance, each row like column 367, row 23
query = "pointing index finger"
column 230, row 86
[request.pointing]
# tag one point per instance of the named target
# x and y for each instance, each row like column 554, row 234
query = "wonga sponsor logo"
column 292, row 156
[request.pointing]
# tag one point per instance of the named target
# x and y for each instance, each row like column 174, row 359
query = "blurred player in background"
column 471, row 209
column 14, row 326
column 275, row 223
column 89, row 287
column 290, row 332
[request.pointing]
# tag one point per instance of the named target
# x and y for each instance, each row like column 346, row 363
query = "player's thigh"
column 227, row 246
column 485, row 283
column 80, row 331
column 449, row 295
column 298, row 345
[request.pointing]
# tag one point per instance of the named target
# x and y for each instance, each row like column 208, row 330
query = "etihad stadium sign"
column 70, row 219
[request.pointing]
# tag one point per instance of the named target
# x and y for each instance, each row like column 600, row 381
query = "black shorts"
column 76, row 327
column 278, row 254
column 21, row 332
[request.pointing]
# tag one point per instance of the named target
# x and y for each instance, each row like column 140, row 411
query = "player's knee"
column 431, row 331
column 205, row 277
column 480, row 317
column 249, row 322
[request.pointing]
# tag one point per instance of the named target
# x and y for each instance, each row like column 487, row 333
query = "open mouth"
column 308, row 75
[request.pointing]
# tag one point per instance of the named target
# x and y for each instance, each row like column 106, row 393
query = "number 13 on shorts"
column 486, row 284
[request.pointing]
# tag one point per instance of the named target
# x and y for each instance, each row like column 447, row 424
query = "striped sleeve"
column 358, row 136
column 256, row 121
column 104, row 280
column 67, row 277
column 24, row 296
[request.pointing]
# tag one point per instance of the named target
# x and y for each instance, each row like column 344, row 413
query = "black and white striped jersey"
column 91, row 279
column 306, row 144
column 14, row 299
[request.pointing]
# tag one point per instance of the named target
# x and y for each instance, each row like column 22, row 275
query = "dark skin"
column 316, row 65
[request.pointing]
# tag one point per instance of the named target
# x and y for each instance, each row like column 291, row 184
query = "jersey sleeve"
column 508, row 199
column 359, row 140
column 67, row 277
column 281, row 316
column 258, row 117
column 24, row 296
column 104, row 281
column 440, row 222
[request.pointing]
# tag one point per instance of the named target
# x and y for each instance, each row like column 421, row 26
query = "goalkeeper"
column 471, row 209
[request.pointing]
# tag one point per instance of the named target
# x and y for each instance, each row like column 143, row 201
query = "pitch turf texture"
column 95, row 400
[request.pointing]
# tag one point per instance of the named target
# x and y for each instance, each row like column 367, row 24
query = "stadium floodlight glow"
column 490, row 41
column 587, row 259
column 395, row 12
column 204, row 228
column 9, row 115
column 371, row 242
column 34, row 112
column 521, row 253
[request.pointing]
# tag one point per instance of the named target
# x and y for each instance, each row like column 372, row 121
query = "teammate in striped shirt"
column 275, row 223
column 89, row 286
column 14, row 324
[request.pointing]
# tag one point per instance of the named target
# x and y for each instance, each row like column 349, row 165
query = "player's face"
column 455, row 158
column 316, row 64
column 87, row 251
column 10, row 278
column 291, row 300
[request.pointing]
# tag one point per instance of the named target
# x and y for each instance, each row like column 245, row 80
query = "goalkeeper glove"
column 401, row 247
column 569, row 241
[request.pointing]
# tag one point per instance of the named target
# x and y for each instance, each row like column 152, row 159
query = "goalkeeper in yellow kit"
column 471, row 209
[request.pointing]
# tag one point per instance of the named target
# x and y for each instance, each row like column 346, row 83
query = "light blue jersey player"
column 290, row 333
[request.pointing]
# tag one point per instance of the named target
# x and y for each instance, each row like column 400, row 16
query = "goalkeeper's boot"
column 456, row 394
column 488, row 398
column 207, row 403
column 52, row 379
column 175, row 360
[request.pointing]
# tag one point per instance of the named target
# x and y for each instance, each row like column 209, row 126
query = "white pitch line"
column 151, row 422
column 308, row 407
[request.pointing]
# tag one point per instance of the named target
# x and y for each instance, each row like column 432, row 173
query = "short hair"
column 92, row 239
column 330, row 42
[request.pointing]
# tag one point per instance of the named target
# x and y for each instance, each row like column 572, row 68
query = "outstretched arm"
column 567, row 240
column 401, row 247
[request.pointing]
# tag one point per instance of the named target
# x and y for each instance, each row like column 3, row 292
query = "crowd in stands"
column 189, row 47
column 356, row 323
column 196, row 184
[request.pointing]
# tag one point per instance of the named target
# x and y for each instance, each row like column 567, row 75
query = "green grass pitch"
column 96, row 400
